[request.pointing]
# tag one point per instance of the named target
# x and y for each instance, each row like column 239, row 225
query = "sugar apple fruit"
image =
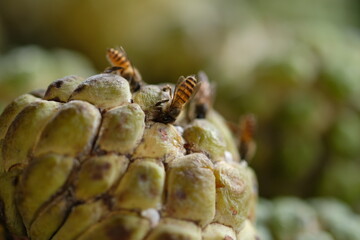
column 87, row 161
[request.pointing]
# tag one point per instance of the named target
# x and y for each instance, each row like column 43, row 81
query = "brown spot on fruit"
column 190, row 175
column 118, row 233
column 105, row 166
column 58, row 84
column 154, row 191
column 100, row 171
column 233, row 211
column 180, row 195
column 164, row 135
column 188, row 147
column 143, row 177
column 97, row 176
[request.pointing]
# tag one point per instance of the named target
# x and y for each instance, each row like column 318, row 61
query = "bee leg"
column 161, row 102
column 112, row 69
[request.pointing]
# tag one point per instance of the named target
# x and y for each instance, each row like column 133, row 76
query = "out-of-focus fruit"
column 31, row 67
column 293, row 218
column 304, row 91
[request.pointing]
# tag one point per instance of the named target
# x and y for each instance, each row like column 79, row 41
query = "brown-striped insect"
column 247, row 144
column 184, row 89
column 203, row 100
column 122, row 66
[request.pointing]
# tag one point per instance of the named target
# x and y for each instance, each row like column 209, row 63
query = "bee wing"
column 130, row 63
column 212, row 93
column 208, row 89
column 180, row 80
column 195, row 91
column 122, row 50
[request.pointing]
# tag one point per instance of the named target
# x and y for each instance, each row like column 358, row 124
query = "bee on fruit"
column 184, row 89
column 203, row 100
column 247, row 144
column 122, row 66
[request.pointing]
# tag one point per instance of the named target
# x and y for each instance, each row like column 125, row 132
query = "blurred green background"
column 294, row 64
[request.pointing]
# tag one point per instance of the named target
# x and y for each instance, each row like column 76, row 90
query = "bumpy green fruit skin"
column 24, row 131
column 12, row 110
column 61, row 89
column 87, row 162
column 13, row 219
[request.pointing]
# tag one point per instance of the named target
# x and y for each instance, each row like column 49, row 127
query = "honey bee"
column 247, row 144
column 184, row 89
column 203, row 100
column 122, row 66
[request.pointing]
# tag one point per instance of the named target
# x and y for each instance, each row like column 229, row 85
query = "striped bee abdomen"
column 183, row 91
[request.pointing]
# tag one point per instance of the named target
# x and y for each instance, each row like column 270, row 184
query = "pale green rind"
column 233, row 194
column 119, row 225
column 216, row 231
column 254, row 194
column 97, row 174
column 148, row 96
column 191, row 189
column 141, row 186
column 12, row 217
column 43, row 178
column 61, row 89
column 77, row 122
column 10, row 112
column 202, row 136
column 122, row 129
column 50, row 218
column 81, row 218
column 160, row 141
column 219, row 122
column 25, row 130
column 104, row 91
column 175, row 229
column 248, row 232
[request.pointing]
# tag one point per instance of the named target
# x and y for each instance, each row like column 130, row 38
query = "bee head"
column 165, row 117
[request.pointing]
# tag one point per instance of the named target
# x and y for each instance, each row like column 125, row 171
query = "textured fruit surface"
column 87, row 162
